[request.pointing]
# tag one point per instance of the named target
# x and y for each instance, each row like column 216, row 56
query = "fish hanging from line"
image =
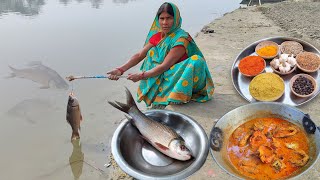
column 160, row 136
column 74, row 116
column 41, row 74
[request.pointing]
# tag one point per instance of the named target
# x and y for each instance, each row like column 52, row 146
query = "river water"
column 79, row 37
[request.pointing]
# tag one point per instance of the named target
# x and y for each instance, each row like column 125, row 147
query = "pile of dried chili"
column 251, row 65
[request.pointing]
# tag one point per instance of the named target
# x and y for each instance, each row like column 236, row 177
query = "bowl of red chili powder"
column 251, row 66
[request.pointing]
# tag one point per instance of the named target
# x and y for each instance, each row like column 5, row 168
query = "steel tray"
column 241, row 83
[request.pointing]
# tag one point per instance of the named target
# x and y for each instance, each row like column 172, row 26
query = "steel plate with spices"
column 242, row 82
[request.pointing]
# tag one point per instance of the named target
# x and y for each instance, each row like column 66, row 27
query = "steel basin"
column 139, row 159
column 225, row 126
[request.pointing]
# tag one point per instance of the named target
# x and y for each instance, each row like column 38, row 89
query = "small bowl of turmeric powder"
column 251, row 66
column 267, row 49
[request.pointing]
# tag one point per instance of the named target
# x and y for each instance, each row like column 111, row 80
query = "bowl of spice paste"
column 251, row 66
column 303, row 85
column 267, row 87
column 267, row 49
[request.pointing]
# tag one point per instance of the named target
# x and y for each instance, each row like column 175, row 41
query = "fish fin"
column 34, row 63
column 81, row 117
column 12, row 75
column 161, row 146
column 67, row 118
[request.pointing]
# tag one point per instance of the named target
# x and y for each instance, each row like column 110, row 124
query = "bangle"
column 142, row 75
column 121, row 70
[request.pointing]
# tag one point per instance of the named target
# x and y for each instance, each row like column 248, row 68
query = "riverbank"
column 233, row 32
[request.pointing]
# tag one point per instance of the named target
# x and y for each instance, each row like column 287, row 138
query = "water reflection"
column 39, row 73
column 94, row 3
column 121, row 1
column 24, row 7
column 76, row 159
column 33, row 7
column 32, row 110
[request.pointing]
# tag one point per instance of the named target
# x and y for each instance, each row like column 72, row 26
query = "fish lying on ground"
column 39, row 73
column 74, row 116
column 162, row 137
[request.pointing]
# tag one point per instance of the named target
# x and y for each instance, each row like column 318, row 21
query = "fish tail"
column 13, row 69
column 125, row 107
column 75, row 135
column 130, row 100
column 12, row 74
column 122, row 107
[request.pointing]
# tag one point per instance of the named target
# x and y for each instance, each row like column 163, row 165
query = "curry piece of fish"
column 249, row 166
column 242, row 136
column 282, row 132
column 245, row 139
column 258, row 126
column 302, row 158
column 278, row 165
column 266, row 154
column 257, row 139
column 74, row 116
column 41, row 74
column 160, row 136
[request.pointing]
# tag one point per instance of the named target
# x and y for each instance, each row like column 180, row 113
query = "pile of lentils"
column 303, row 86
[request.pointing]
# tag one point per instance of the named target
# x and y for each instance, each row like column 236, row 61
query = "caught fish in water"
column 41, row 74
column 74, row 116
column 162, row 137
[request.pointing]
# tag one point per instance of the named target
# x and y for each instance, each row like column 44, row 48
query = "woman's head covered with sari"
column 173, row 10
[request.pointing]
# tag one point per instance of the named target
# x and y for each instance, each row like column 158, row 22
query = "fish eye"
column 183, row 147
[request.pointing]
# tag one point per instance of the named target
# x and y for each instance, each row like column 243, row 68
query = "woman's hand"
column 114, row 74
column 136, row 77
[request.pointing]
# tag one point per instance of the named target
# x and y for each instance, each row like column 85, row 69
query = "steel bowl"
column 225, row 126
column 140, row 160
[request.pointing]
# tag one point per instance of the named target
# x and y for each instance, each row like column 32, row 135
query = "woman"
column 174, row 70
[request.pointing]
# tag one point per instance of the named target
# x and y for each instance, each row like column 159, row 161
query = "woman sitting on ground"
column 174, row 70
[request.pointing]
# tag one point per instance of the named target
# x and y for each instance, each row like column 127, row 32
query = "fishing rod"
column 71, row 78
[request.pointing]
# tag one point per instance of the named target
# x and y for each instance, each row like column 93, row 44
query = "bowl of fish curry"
column 138, row 158
column 265, row 140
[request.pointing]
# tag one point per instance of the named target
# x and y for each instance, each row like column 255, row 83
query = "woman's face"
column 166, row 22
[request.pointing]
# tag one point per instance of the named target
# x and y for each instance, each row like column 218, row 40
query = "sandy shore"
column 233, row 32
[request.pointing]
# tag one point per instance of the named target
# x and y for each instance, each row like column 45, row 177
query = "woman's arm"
column 172, row 57
column 134, row 60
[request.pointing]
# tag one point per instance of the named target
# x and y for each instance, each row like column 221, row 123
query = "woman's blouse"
column 155, row 39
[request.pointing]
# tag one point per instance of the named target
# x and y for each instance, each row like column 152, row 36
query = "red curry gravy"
column 268, row 148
